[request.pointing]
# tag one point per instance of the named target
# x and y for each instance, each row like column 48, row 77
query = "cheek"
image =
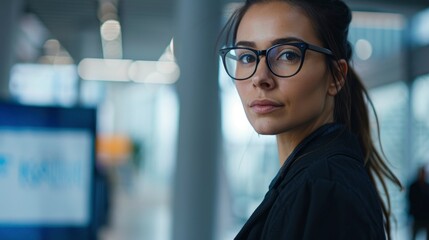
column 246, row 93
column 308, row 95
column 242, row 90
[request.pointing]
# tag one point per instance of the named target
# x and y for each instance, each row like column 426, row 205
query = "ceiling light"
column 110, row 30
column 104, row 69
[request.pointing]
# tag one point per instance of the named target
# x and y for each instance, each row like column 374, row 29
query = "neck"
column 289, row 140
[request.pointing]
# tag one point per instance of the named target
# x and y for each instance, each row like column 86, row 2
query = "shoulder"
column 332, row 197
column 336, row 157
column 342, row 168
column 336, row 174
column 326, row 192
column 330, row 165
column 323, row 207
column 339, row 181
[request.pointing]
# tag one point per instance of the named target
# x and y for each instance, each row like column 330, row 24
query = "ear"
column 339, row 77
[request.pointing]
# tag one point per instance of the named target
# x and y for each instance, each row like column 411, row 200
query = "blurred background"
column 117, row 121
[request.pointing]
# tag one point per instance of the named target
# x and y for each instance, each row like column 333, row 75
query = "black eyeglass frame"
column 303, row 46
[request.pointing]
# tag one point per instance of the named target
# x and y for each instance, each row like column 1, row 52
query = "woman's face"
column 277, row 105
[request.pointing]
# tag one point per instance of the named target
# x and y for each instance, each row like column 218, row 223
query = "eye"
column 247, row 58
column 289, row 56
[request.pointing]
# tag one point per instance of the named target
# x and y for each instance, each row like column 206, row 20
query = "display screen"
column 46, row 172
column 45, row 176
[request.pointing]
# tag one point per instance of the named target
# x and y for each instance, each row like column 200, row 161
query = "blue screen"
column 46, row 172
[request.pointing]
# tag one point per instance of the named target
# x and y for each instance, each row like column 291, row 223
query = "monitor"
column 47, row 157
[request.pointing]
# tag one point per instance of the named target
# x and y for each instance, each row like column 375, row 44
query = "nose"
column 263, row 78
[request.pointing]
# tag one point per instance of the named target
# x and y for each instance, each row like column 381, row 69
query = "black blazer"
column 321, row 192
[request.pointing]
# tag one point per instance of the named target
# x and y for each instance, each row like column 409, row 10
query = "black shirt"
column 321, row 192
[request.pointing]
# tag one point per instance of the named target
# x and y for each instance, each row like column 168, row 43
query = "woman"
column 290, row 60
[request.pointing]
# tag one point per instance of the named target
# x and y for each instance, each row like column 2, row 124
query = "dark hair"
column 331, row 19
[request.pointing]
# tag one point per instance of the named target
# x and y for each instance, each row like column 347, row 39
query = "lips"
column 264, row 106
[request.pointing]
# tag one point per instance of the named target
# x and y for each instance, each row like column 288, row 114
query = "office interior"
column 172, row 155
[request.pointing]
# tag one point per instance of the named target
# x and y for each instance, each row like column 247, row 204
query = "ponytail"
column 351, row 109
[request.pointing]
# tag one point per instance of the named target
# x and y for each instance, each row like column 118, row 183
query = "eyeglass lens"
column 283, row 60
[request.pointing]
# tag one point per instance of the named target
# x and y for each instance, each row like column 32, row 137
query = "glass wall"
column 391, row 104
column 420, row 106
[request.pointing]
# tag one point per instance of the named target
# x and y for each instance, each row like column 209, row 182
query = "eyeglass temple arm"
column 320, row 49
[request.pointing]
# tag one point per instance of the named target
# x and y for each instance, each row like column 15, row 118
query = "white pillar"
column 10, row 11
column 197, row 169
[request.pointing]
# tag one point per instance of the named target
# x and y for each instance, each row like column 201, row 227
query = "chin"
column 265, row 130
column 265, row 126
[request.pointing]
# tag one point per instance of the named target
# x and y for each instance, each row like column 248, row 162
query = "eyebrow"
column 274, row 42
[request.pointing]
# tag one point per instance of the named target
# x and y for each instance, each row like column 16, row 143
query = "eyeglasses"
column 283, row 60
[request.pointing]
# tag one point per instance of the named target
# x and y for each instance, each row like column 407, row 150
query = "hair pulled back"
column 331, row 20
